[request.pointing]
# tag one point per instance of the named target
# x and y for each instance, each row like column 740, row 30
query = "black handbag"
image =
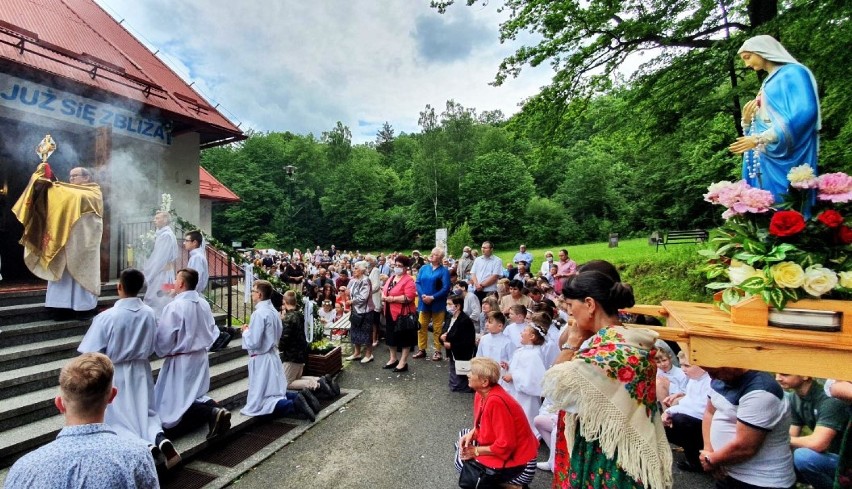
column 408, row 321
column 474, row 475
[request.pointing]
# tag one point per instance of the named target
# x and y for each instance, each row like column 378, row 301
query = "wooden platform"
column 713, row 340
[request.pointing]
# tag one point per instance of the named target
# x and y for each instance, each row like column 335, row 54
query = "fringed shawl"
column 610, row 387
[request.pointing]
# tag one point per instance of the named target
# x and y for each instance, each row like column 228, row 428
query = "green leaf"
column 731, row 297
column 753, row 284
column 709, row 253
column 774, row 297
column 719, row 285
column 747, row 257
column 754, row 247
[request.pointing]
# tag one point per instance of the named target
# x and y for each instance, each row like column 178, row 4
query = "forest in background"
column 591, row 154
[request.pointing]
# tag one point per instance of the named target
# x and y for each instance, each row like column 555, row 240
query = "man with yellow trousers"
column 433, row 287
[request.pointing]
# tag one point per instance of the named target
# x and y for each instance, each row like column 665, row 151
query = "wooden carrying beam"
column 717, row 339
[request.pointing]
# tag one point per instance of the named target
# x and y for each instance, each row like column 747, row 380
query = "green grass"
column 655, row 276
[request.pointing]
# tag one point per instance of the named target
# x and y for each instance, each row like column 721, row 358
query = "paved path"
column 398, row 433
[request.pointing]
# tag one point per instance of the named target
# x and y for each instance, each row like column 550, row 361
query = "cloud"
column 301, row 66
column 450, row 37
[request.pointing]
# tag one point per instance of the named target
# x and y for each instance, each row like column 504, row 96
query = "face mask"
column 457, row 291
column 398, row 270
column 451, row 309
column 549, row 258
column 465, row 254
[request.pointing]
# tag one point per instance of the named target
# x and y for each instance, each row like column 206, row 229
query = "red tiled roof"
column 68, row 38
column 210, row 188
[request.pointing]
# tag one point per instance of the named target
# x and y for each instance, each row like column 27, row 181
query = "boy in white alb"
column 518, row 318
column 495, row 345
column 125, row 333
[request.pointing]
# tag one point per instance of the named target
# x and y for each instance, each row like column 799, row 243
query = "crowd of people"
column 549, row 348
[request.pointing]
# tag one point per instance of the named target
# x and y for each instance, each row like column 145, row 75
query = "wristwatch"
column 566, row 346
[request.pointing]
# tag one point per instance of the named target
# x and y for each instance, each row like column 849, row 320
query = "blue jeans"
column 284, row 406
column 815, row 468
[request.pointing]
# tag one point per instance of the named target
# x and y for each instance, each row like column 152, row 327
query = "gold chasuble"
column 63, row 225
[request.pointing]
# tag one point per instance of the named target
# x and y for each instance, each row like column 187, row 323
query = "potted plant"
column 324, row 357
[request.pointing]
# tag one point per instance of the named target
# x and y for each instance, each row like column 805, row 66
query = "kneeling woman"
column 501, row 437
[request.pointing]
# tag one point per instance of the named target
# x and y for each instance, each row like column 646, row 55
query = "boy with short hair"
column 126, row 334
column 518, row 318
column 495, row 345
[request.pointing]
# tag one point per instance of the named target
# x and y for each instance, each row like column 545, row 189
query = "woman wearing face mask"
column 398, row 297
column 544, row 271
column 459, row 340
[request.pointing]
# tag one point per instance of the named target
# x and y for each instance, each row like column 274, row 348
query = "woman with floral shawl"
column 612, row 424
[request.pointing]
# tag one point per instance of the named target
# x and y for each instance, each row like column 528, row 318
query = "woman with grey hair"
column 361, row 327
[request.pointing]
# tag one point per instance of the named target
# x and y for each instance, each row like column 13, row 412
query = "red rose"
column 607, row 347
column 844, row 234
column 626, row 374
column 633, row 360
column 831, row 218
column 786, row 223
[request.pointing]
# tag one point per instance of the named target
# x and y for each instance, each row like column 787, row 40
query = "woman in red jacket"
column 398, row 297
column 501, row 437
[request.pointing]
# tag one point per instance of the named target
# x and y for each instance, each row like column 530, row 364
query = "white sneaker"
column 544, row 466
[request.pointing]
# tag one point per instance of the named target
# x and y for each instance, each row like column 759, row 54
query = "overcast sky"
column 301, row 66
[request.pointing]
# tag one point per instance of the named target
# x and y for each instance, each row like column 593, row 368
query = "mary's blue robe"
column 789, row 120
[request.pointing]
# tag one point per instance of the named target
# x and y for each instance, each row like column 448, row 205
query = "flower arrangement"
column 786, row 251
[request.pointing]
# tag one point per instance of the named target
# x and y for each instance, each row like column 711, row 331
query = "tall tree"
column 384, row 140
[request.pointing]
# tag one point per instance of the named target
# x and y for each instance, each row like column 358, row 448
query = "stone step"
column 31, row 331
column 23, row 380
column 20, row 313
column 36, row 294
column 25, row 355
column 16, row 442
column 24, row 333
column 28, row 344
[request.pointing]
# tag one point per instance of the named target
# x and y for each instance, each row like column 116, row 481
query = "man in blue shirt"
column 433, row 287
column 522, row 255
column 86, row 453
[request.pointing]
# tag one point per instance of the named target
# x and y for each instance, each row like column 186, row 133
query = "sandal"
column 436, row 357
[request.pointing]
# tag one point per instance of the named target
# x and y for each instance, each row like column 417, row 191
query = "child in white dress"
column 525, row 373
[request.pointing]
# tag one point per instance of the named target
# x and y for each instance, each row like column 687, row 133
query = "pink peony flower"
column 835, row 187
column 713, row 191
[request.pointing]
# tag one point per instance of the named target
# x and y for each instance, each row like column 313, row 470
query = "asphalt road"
column 398, row 433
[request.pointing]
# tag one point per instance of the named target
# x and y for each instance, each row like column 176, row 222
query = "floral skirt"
column 589, row 468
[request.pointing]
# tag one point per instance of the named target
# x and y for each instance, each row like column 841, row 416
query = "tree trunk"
column 761, row 11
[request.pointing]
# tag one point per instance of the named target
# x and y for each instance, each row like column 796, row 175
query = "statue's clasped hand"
column 743, row 144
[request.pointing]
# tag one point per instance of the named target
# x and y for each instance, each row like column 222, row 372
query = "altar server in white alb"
column 267, row 394
column 192, row 242
column 526, row 372
column 184, row 333
column 125, row 333
column 161, row 265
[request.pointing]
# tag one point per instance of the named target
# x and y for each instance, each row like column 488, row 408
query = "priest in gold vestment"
column 63, row 225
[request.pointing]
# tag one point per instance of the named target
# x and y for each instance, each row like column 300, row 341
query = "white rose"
column 739, row 272
column 819, row 280
column 846, row 280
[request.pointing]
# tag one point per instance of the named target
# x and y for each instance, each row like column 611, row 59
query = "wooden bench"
column 692, row 236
